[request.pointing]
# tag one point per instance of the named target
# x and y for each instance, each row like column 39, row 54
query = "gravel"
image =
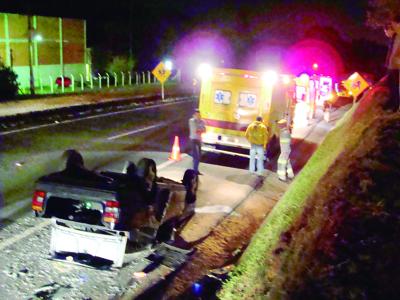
column 28, row 272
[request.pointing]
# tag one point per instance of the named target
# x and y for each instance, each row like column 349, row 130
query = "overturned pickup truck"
column 136, row 203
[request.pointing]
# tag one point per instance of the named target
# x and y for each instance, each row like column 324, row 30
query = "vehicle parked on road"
column 230, row 99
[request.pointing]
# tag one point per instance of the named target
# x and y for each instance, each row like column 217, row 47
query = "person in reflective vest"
column 284, row 166
column 257, row 135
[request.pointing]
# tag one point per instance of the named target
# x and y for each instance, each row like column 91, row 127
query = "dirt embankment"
column 228, row 239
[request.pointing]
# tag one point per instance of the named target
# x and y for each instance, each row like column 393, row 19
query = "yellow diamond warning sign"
column 161, row 72
column 355, row 84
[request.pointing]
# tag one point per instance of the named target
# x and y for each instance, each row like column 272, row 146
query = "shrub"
column 8, row 83
column 120, row 64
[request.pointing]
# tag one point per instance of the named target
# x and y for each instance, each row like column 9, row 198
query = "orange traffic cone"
column 176, row 150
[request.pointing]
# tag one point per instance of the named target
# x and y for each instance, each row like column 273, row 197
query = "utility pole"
column 30, row 47
column 130, row 29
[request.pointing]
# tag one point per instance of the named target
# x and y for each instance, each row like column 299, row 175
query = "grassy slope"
column 256, row 272
column 345, row 245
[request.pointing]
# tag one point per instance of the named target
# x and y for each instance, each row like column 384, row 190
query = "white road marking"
column 137, row 131
column 213, row 209
column 87, row 118
column 24, row 234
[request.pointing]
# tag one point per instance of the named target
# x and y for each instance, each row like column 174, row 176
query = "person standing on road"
column 257, row 135
column 284, row 165
column 392, row 31
column 196, row 128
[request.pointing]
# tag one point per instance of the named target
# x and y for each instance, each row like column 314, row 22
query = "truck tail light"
column 37, row 200
column 111, row 212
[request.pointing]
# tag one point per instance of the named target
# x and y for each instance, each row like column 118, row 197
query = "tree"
column 382, row 11
column 8, row 83
column 120, row 63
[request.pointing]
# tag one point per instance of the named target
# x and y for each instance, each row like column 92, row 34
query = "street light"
column 33, row 38
column 204, row 71
column 270, row 77
column 30, row 47
column 168, row 65
column 37, row 37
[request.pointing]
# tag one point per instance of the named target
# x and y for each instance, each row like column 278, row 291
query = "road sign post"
column 162, row 74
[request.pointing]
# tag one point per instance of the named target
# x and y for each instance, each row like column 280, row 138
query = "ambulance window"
column 222, row 97
column 247, row 100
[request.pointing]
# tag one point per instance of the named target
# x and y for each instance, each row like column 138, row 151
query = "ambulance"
column 311, row 92
column 230, row 99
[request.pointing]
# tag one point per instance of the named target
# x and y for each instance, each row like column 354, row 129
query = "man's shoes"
column 198, row 173
column 282, row 179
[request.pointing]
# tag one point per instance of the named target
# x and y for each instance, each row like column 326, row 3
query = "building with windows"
column 42, row 48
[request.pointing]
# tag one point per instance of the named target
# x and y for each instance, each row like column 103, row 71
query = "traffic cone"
column 176, row 150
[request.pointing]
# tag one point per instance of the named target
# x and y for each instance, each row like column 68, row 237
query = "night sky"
column 153, row 29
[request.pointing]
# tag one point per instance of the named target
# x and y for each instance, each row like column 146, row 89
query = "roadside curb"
column 26, row 110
